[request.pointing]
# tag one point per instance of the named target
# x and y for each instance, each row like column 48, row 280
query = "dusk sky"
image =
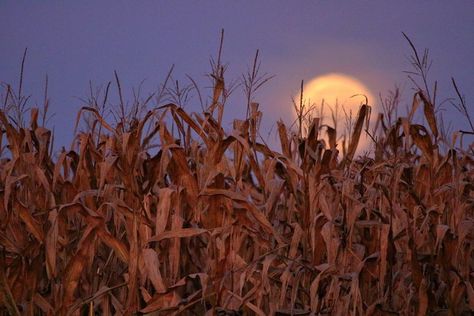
column 74, row 42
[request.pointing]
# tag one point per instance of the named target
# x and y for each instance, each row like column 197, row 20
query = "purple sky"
column 86, row 40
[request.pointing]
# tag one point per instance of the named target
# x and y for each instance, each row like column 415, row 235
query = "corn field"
column 215, row 222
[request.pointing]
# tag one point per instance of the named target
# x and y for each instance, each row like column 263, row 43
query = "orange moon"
column 336, row 97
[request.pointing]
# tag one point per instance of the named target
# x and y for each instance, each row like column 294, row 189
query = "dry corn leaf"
column 295, row 240
column 152, row 264
column 119, row 247
column 429, row 112
column 423, row 299
column 168, row 301
column 422, row 139
column 361, row 118
column 52, row 244
column 32, row 225
column 75, row 268
column 179, row 233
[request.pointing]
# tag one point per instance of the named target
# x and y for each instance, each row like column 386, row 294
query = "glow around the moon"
column 337, row 96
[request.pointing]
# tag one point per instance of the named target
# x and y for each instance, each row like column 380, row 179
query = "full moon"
column 336, row 99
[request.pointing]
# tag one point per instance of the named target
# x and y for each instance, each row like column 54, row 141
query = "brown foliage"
column 220, row 223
